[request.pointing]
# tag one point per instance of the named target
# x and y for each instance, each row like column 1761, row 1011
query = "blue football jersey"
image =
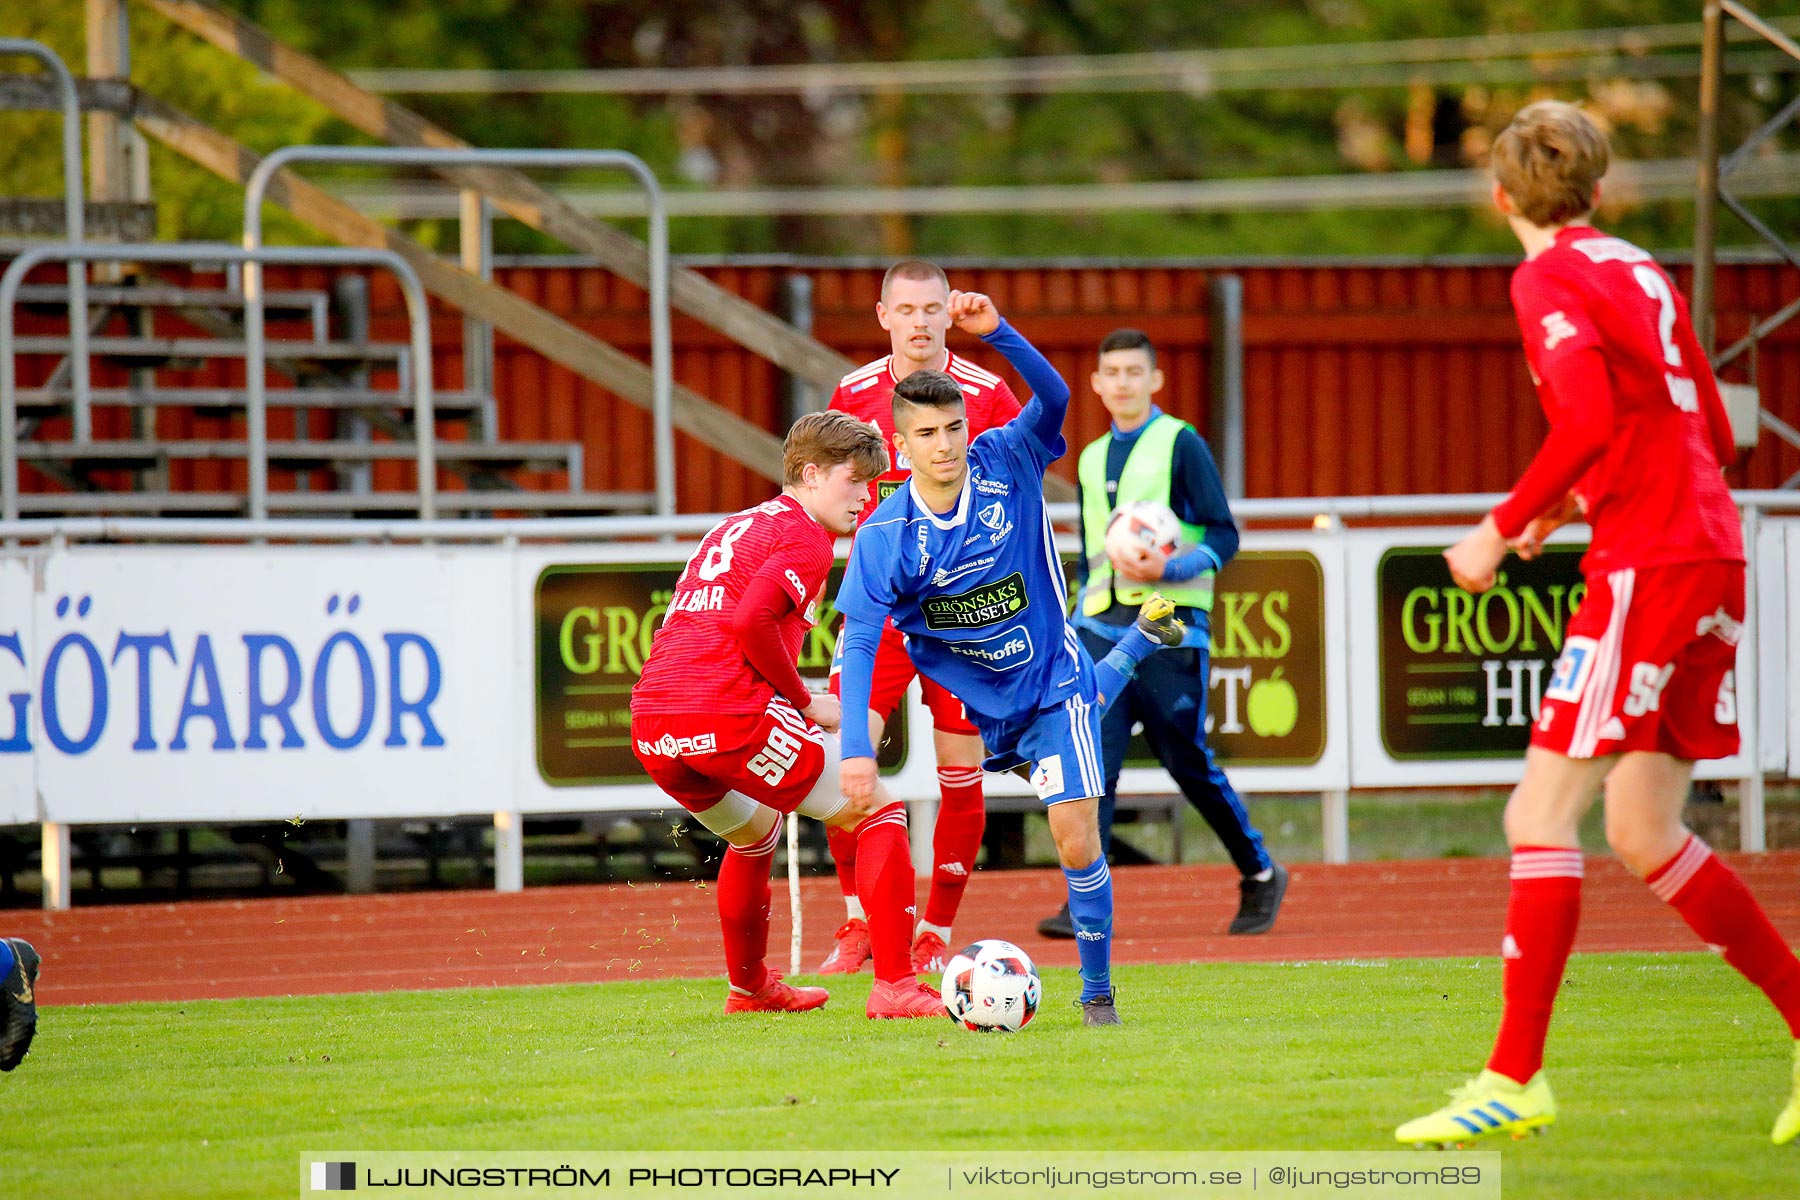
column 978, row 592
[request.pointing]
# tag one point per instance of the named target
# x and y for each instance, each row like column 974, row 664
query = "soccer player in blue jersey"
column 962, row 559
column 18, row 1003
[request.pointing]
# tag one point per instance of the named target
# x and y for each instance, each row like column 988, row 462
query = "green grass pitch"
column 1668, row 1069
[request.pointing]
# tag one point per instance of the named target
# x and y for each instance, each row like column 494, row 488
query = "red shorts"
column 1649, row 664
column 893, row 671
column 775, row 757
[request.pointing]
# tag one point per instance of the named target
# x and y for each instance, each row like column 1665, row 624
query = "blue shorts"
column 1062, row 744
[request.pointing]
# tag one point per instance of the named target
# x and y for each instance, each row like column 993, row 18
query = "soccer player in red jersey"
column 914, row 310
column 723, row 723
column 1645, row 683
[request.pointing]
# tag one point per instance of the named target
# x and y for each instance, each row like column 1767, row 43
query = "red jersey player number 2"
column 1650, row 656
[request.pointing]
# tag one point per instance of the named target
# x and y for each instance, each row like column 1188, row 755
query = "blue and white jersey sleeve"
column 1034, row 438
column 867, row 592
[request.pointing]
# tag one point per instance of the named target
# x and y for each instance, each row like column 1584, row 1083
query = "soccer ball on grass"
column 992, row 987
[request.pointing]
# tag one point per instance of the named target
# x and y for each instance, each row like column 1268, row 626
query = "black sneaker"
column 1101, row 1010
column 18, row 1004
column 1059, row 924
column 1259, row 901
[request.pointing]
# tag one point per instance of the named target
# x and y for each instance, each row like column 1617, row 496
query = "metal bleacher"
column 342, row 422
column 172, row 345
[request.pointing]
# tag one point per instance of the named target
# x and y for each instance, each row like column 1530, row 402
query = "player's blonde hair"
column 1550, row 161
column 829, row 438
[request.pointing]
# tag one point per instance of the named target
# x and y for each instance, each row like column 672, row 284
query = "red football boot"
column 851, row 951
column 776, row 996
column 906, row 998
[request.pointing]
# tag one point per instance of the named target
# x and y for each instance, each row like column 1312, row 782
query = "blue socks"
column 6, row 957
column 1114, row 671
column 1091, row 912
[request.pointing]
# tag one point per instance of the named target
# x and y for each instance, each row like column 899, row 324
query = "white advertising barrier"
column 1789, row 607
column 1278, row 695
column 259, row 683
column 18, row 770
column 1445, row 685
column 213, row 683
column 588, row 616
column 1777, row 685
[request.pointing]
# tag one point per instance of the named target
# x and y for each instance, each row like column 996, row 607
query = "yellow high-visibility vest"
column 1148, row 474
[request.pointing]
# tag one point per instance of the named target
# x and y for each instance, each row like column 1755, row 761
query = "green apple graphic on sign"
column 1272, row 706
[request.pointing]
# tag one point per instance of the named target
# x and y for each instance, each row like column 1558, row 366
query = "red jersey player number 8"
column 718, row 558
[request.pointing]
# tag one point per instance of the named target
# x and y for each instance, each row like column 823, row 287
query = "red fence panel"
column 1360, row 377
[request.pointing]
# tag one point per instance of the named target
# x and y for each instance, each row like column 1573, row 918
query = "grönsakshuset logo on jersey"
column 989, row 604
column 223, row 688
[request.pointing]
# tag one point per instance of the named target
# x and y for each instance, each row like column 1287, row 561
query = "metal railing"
column 661, row 350
column 73, row 203
column 256, row 418
column 1322, row 509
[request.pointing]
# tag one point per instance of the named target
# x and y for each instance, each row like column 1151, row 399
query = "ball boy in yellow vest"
column 1150, row 455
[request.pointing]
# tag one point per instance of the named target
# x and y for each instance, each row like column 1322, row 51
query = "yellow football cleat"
column 1156, row 618
column 1787, row 1125
column 1488, row 1104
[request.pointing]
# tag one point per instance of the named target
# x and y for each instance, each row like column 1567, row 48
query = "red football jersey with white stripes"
column 867, row 394
column 1657, row 495
column 696, row 664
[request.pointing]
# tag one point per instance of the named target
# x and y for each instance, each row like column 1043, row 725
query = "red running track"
column 326, row 944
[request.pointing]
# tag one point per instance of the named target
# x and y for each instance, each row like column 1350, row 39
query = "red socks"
column 884, row 880
column 1540, row 929
column 962, row 816
column 843, row 856
column 744, row 911
column 1716, row 905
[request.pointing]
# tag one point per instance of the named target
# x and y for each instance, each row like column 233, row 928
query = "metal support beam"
column 73, row 199
column 797, row 307
column 54, row 865
column 476, row 228
column 1335, row 821
column 1706, row 184
column 1711, row 171
column 359, row 856
column 108, row 57
column 509, row 852
column 1227, row 349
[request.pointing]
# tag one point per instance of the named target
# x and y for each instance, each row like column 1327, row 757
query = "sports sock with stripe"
column 744, row 911
column 1541, row 916
column 1714, row 902
column 884, row 880
column 1114, row 671
column 1091, row 912
column 962, row 815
